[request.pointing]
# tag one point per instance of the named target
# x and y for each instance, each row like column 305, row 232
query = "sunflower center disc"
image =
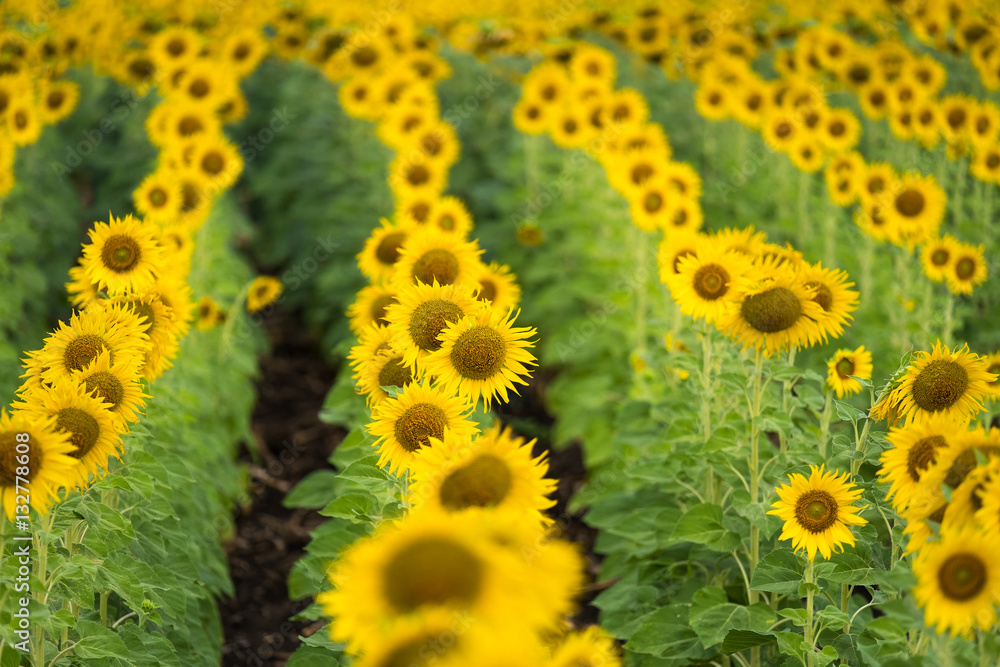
column 415, row 653
column 910, row 203
column 653, row 202
column 922, row 455
column 82, row 350
column 437, row 264
column 157, row 197
column 965, row 268
column 479, row 353
column 711, row 282
column 824, row 296
column 488, row 291
column 432, row 571
column 418, row 424
column 120, row 253
column 394, row 374
column 966, row 462
column 107, row 387
column 940, row 385
column 387, row 251
column 484, row 482
column 640, row 173
column 8, row 460
column 83, row 428
column 962, row 577
column 939, row 257
column 845, row 368
column 429, row 319
column 816, row 510
column 144, row 311
column 418, row 175
column 446, row 222
column 213, row 163
column 773, row 310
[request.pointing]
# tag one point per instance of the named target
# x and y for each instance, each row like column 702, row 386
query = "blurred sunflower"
column 370, row 306
column 429, row 256
column 58, row 99
column 968, row 269
column 937, row 257
column 492, row 470
column 958, row 581
column 844, row 365
column 450, row 215
column 377, row 260
column 590, row 646
column 914, row 450
column 208, row 314
column 918, row 207
column 532, row 116
column 158, row 197
column 372, row 341
column 122, row 255
column 407, row 422
column 49, row 463
column 498, row 286
column 263, row 291
column 818, row 511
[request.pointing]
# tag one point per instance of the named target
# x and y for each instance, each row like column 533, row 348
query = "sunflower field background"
column 660, row 333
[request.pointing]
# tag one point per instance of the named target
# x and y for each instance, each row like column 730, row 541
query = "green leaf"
column 741, row 640
column 99, row 642
column 792, row 643
column 778, row 572
column 712, row 616
column 798, row 616
column 888, row 627
column 847, row 412
column 351, row 506
column 702, row 524
column 315, row 490
column 312, row 656
column 665, row 632
column 846, row 568
column 831, row 617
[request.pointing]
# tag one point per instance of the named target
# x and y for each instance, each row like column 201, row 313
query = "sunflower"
column 843, row 175
column 218, row 162
column 840, row 130
column 399, row 124
column 175, row 293
column 406, row 422
column 967, row 498
column 174, row 45
column 938, row 257
column 594, row 65
column 940, row 381
column 917, row 208
column 410, row 175
column 420, row 640
column 958, row 581
column 429, row 255
column 993, row 366
column 874, row 98
column 84, row 418
column 645, row 137
column 58, row 99
column 385, row 369
column 744, row 240
column 436, row 142
column 493, row 470
column 987, row 517
column 357, row 98
column 209, row 314
column 914, row 450
column 683, row 178
column 873, row 220
column 373, row 340
column 529, row 234
column 626, row 107
column 985, row 164
column 243, row 50
column 158, row 197
column 631, row 171
column 817, row 511
column 877, row 178
column 955, row 461
column 650, row 205
column 34, row 450
column 263, row 291
column 117, row 384
column 82, row 291
column 926, row 123
column 75, row 345
column 702, row 285
column 498, row 286
column 806, row 155
column 370, row 307
column 956, row 113
column 474, row 565
column 450, row 215
column 377, row 260
column 713, row 100
column 968, row 268
column 122, row 255
column 984, row 125
column 532, row 115
column 844, row 365
column 833, row 294
column 774, row 312
column 155, row 319
column 570, row 128
column 780, row 130
column 24, row 121
column 187, row 120
column 590, row 647
column 901, row 123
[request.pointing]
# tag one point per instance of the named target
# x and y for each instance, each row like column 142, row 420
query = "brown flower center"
column 922, row 455
column 418, row 424
column 711, row 282
column 82, row 427
column 429, row 319
column 816, row 510
column 432, row 571
column 773, row 310
column 82, row 350
column 483, row 482
column 962, row 577
column 939, row 385
column 479, row 353
column 436, row 264
column 387, row 251
column 910, row 203
column 394, row 374
column 120, row 253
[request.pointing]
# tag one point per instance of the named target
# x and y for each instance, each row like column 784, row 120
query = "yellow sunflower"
column 24, row 122
column 938, row 257
column 117, row 385
column 844, row 365
column 873, row 220
column 482, row 355
column 498, row 286
column 406, row 423
column 73, row 346
column 914, row 450
column 532, row 115
column 590, row 647
column 377, row 260
column 833, row 294
column 370, row 306
column 940, row 381
column 409, row 176
column 674, row 246
column 958, row 581
column 745, row 241
column 840, row 130
column 158, row 197
column 434, row 637
column 818, row 511
column 385, row 369
column 451, row 216
column 58, row 99
column 123, row 255
column 429, row 256
column 954, row 462
column 774, row 312
column 264, row 290
column 493, row 470
column 875, row 181
column 84, row 417
column 683, row 178
column 702, row 286
column 36, row 457
column 156, row 320
column 987, row 517
column 967, row 498
column 209, row 314
column 372, row 341
column 421, row 313
column 993, row 366
column 968, row 268
column 82, row 291
column 917, row 207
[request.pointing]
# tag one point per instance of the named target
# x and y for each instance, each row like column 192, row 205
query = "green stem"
column 804, row 221
column 755, row 404
column 824, row 423
column 845, row 604
column 104, row 608
column 786, row 394
column 809, row 579
column 706, row 406
column 830, row 236
column 949, row 318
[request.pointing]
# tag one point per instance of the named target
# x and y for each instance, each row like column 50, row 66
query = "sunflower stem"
column 867, row 261
column 824, row 423
column 227, row 331
column 949, row 317
column 804, row 222
column 830, row 236
column 104, row 608
column 786, row 392
column 756, row 397
column 845, row 605
column 957, row 211
column 809, row 581
column 706, row 406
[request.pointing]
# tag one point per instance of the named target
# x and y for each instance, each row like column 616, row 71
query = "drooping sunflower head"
column 847, row 365
column 958, row 581
column 482, row 355
column 123, row 255
column 818, row 511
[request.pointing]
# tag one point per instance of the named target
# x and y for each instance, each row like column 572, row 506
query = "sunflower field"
column 508, row 333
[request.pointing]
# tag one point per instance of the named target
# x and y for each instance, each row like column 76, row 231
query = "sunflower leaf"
column 702, row 524
column 778, row 572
